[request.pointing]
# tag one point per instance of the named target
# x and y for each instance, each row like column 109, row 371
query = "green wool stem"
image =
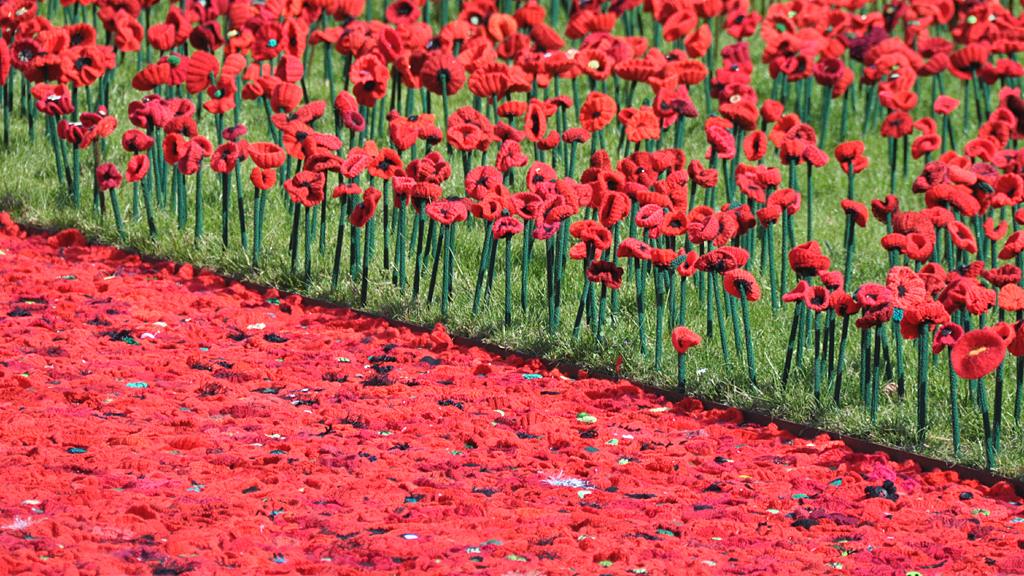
column 923, row 354
column 118, row 219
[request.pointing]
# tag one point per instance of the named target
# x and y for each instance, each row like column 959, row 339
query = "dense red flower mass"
column 205, row 425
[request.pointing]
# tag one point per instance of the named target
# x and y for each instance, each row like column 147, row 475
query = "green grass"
column 30, row 190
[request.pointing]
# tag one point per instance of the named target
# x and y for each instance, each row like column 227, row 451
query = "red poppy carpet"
column 162, row 420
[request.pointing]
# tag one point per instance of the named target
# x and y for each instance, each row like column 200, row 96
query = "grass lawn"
column 30, row 190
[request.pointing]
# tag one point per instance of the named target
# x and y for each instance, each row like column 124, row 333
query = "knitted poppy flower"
column 614, row 207
column 306, row 188
column 797, row 293
column 741, row 284
column 84, row 64
column 671, row 101
column 833, row 279
column 606, row 273
column 448, row 211
column 816, row 298
column 674, row 222
column 946, row 335
column 108, row 176
column 506, row 226
column 683, row 339
column 843, row 303
column 591, row 232
column 225, row 157
column 1013, row 246
column 1002, row 276
column 908, row 289
column 977, row 353
column 924, row 314
column 263, row 178
column 597, row 111
column 723, row 259
column 442, row 73
column 851, row 152
column 137, row 168
column 807, row 259
column 704, row 177
column 266, row 155
column 135, row 141
column 369, row 77
column 857, row 210
column 755, row 145
column 53, row 99
column 945, row 105
column 962, row 237
column 632, row 248
column 363, row 211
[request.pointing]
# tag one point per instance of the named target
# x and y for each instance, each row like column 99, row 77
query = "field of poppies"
column 810, row 208
column 159, row 419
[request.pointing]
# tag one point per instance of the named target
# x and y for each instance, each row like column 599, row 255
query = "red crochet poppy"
column 857, row 210
column 306, row 188
column 108, row 177
column 591, row 232
column 807, row 259
column 53, row 100
column 741, row 284
column 442, row 72
column 137, row 168
column 225, row 158
column 363, row 211
column 946, row 335
column 945, row 105
column 683, row 339
column 597, row 111
column 633, row 248
column 606, row 273
column 978, row 353
column 843, row 303
column 263, row 178
column 614, row 207
column 135, row 141
column 723, row 259
column 506, row 226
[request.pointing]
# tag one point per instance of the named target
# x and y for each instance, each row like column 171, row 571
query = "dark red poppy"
column 108, row 177
column 605, row 273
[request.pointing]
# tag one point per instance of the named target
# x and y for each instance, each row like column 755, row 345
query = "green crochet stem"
column 841, row 363
column 954, row 405
column 751, row 369
column 990, row 455
column 225, row 204
column 199, row 205
column 307, row 265
column 147, row 201
column 118, row 219
column 923, row 354
column 508, row 280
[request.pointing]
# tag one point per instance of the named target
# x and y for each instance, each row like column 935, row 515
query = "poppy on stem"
column 682, row 340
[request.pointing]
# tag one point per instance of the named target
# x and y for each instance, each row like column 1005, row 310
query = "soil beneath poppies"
column 157, row 419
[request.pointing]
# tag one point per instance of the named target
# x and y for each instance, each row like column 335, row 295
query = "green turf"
column 30, row 190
